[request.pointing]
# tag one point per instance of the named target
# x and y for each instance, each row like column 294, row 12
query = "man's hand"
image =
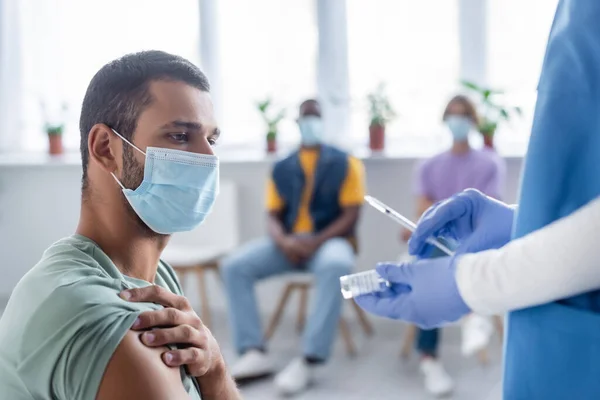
column 310, row 245
column 299, row 249
column 178, row 324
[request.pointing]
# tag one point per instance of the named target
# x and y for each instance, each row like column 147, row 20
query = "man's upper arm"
column 136, row 371
column 274, row 202
column 353, row 188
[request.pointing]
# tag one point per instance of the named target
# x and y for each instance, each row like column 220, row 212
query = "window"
column 413, row 47
column 517, row 35
column 268, row 49
column 67, row 41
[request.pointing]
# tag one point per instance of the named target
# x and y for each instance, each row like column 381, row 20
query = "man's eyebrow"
column 192, row 126
column 216, row 133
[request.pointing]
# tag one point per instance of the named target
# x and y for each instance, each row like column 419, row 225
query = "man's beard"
column 133, row 175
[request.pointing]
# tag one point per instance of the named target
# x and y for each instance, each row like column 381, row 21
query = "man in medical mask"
column 313, row 202
column 438, row 178
column 101, row 316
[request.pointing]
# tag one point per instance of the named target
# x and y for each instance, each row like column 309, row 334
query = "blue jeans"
column 261, row 259
column 427, row 342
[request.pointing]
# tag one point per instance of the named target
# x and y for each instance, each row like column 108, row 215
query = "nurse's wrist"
column 466, row 282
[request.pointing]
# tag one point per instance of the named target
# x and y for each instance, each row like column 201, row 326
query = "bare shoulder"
column 138, row 372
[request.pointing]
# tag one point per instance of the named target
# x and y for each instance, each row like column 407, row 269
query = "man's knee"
column 244, row 262
column 231, row 266
column 337, row 258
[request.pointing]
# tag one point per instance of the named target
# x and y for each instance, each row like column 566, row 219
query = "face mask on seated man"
column 101, row 316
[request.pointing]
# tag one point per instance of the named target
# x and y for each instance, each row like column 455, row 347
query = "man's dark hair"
column 119, row 92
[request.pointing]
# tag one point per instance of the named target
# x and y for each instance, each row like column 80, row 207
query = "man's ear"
column 104, row 148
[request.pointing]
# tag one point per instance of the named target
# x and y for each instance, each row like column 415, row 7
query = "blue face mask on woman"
column 178, row 190
column 459, row 127
column 311, row 130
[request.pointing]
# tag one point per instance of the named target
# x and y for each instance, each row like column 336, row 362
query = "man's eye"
column 180, row 137
column 212, row 141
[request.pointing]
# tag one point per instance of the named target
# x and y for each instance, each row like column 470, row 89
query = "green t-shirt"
column 65, row 319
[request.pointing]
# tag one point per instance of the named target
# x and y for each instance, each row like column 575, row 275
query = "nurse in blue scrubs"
column 552, row 350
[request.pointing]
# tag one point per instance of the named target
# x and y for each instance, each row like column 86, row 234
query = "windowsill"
column 227, row 155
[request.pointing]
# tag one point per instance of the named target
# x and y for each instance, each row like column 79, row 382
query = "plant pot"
column 271, row 146
column 488, row 141
column 55, row 144
column 377, row 137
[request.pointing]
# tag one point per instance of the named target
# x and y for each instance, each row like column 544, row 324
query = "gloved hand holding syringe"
column 369, row 281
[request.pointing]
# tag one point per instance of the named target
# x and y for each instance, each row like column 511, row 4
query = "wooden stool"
column 200, row 272
column 483, row 355
column 302, row 286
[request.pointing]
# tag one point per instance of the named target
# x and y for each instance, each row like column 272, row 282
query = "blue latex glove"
column 475, row 221
column 423, row 293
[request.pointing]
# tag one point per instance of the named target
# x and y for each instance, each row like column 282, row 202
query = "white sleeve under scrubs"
column 64, row 321
column 558, row 261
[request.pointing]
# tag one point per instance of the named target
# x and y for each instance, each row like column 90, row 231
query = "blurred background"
column 394, row 63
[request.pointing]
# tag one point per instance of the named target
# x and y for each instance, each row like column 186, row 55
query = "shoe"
column 295, row 378
column 251, row 365
column 477, row 332
column 437, row 380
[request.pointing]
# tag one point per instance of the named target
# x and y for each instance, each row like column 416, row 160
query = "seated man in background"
column 313, row 201
column 438, row 178
column 101, row 316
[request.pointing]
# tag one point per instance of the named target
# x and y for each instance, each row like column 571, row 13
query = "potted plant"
column 54, row 129
column 492, row 111
column 272, row 119
column 55, row 132
column 380, row 113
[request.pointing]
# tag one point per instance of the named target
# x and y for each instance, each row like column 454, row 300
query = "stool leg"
column 278, row 312
column 483, row 357
column 499, row 322
column 362, row 319
column 345, row 331
column 302, row 309
column 409, row 341
column 204, row 306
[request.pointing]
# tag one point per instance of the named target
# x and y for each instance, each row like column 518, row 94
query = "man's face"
column 180, row 117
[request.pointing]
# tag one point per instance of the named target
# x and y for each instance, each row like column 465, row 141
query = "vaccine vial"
column 362, row 283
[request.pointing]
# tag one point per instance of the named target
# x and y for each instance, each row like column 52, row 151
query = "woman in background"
column 438, row 178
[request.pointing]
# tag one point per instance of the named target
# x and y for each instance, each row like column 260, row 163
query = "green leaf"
column 504, row 114
column 519, row 111
column 471, row 85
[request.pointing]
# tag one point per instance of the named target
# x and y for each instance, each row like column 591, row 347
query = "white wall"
column 40, row 204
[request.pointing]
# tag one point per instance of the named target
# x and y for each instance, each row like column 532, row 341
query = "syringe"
column 405, row 222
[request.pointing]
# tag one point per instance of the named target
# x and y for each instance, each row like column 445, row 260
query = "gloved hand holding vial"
column 371, row 281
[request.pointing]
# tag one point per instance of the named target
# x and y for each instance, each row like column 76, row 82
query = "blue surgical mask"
column 178, row 190
column 311, row 130
column 459, row 127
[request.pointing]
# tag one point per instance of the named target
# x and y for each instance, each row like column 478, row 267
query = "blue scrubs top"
column 553, row 351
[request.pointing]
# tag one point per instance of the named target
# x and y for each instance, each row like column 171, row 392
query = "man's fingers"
column 198, row 358
column 182, row 334
column 156, row 294
column 166, row 317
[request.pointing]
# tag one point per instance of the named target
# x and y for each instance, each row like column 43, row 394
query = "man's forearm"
column 342, row 226
column 275, row 228
column 219, row 385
